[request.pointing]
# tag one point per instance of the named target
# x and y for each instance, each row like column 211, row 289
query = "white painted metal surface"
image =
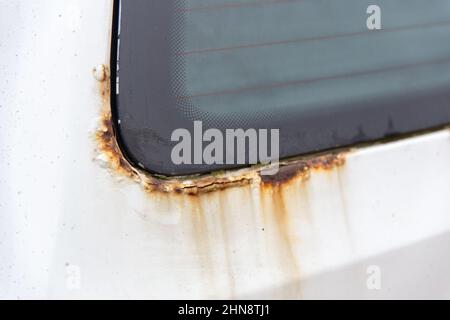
column 70, row 229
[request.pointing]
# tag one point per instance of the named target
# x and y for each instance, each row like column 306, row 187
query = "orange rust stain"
column 200, row 184
column 282, row 217
column 276, row 211
column 202, row 192
column 108, row 146
column 118, row 164
column 302, row 169
column 105, row 135
column 202, row 239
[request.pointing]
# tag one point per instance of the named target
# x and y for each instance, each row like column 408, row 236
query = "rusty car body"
column 77, row 220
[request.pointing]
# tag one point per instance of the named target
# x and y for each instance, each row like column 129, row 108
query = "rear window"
column 324, row 73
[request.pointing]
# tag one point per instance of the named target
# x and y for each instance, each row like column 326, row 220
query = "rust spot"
column 108, row 146
column 105, row 136
column 110, row 152
column 213, row 221
column 286, row 174
column 264, row 224
column 302, row 168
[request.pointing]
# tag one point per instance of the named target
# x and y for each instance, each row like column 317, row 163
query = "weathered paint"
column 207, row 205
column 387, row 206
column 278, row 218
column 110, row 152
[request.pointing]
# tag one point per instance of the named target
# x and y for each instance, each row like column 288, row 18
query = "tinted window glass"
column 310, row 68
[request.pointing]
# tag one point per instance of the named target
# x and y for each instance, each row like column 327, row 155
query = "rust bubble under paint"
column 109, row 149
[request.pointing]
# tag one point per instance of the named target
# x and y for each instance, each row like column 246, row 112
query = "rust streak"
column 212, row 221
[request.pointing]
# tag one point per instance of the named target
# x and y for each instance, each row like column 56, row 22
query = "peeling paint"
column 110, row 152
